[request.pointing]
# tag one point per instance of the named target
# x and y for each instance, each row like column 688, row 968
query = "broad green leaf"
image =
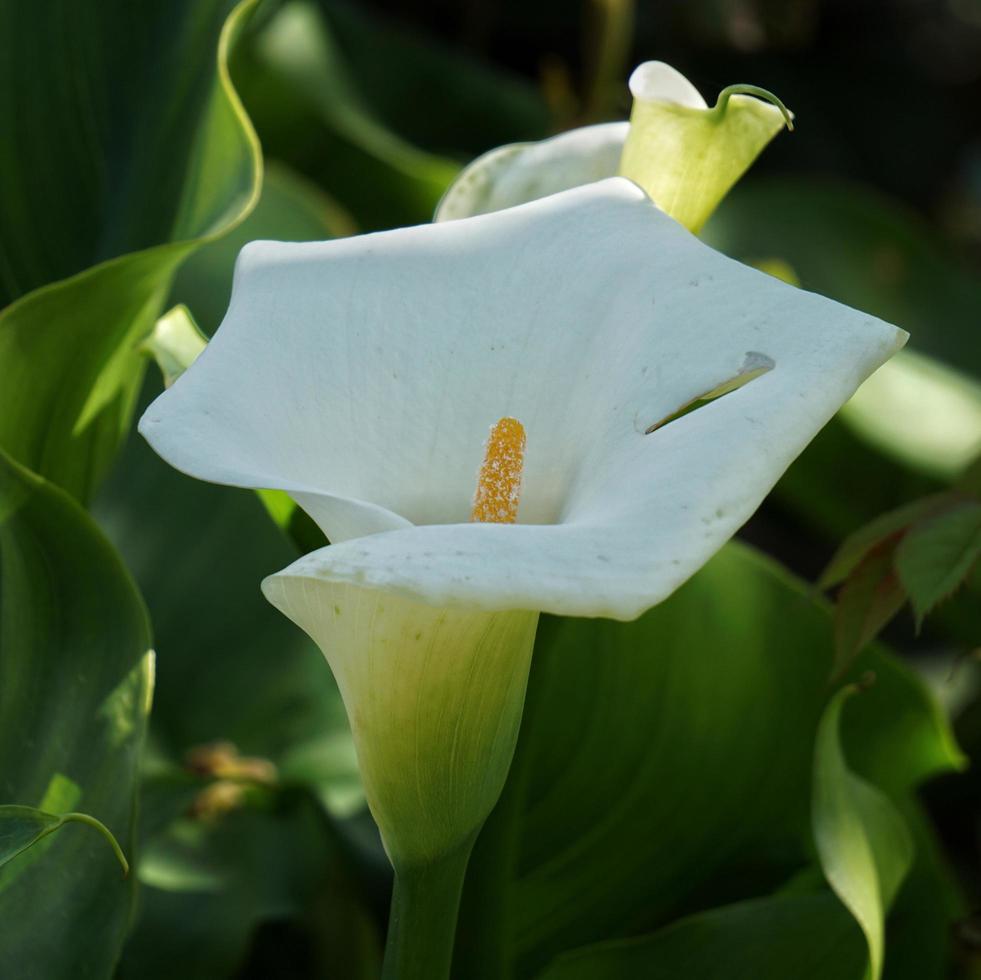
column 868, row 600
column 858, row 544
column 937, row 554
column 156, row 156
column 75, row 685
column 664, row 766
column 863, row 843
column 22, row 827
column 806, row 937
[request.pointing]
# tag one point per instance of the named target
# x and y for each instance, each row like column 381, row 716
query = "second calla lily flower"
column 684, row 154
column 362, row 376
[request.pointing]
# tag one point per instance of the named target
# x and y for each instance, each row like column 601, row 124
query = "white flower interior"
column 361, row 376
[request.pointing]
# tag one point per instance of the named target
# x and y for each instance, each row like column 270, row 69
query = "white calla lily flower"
column 683, row 153
column 361, row 376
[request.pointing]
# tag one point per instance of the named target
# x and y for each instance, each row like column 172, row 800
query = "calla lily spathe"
column 361, row 376
column 683, row 153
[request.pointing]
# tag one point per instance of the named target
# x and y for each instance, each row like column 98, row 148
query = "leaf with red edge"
column 868, row 600
column 856, row 547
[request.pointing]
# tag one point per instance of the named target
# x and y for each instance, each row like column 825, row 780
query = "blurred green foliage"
column 658, row 820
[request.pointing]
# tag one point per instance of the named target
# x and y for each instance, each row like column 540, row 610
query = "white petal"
column 370, row 369
column 655, row 81
column 522, row 172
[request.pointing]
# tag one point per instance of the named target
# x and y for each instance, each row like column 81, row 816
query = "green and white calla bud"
column 685, row 155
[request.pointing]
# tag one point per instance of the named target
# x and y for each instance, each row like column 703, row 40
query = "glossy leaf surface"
column 75, row 687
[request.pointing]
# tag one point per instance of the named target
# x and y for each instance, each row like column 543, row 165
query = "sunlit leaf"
column 864, row 846
column 115, row 210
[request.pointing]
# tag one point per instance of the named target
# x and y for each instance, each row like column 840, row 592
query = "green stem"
column 422, row 927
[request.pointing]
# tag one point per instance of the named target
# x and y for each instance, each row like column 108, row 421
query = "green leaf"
column 858, row 544
column 664, row 766
column 22, row 827
column 807, row 937
column 868, row 600
column 309, row 112
column 937, row 554
column 863, row 843
column 75, row 684
column 156, row 156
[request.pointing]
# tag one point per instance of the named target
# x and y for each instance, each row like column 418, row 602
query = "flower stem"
column 422, row 927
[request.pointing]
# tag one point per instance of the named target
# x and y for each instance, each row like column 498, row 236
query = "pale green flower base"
column 434, row 696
